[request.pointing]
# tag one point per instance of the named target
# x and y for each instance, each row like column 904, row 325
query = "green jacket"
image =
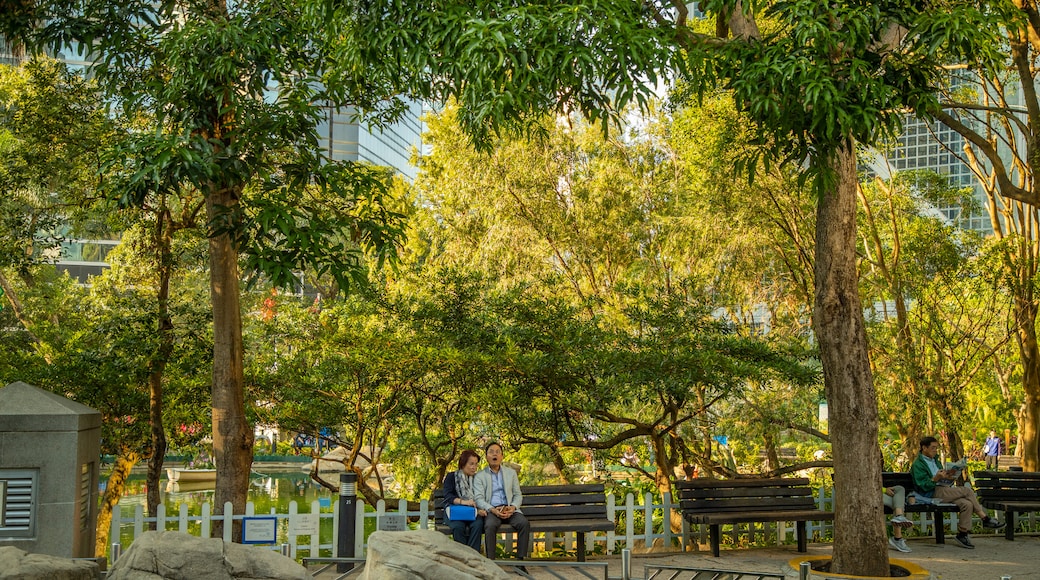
column 922, row 474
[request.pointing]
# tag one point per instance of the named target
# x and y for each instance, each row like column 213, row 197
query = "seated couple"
column 933, row 482
column 495, row 493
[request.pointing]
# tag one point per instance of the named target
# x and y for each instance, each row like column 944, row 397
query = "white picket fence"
column 324, row 543
column 653, row 531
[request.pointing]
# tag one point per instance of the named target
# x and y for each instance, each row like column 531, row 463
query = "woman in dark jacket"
column 458, row 491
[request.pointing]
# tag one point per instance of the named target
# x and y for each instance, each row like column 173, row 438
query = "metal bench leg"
column 581, row 546
column 713, row 531
column 940, row 527
column 686, row 532
column 1009, row 528
column 803, row 540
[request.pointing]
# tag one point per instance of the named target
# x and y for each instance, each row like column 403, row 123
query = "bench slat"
column 761, row 516
column 744, row 492
column 704, row 483
column 585, row 498
column 562, row 489
column 771, row 504
column 567, row 511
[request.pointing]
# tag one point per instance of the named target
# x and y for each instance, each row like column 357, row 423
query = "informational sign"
column 259, row 530
column 324, row 502
column 304, row 524
column 393, row 523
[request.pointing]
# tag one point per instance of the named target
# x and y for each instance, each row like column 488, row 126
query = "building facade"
column 344, row 138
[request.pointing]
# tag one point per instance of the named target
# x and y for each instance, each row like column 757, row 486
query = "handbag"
column 461, row 513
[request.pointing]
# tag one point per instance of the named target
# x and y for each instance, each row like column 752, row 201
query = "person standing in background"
column 992, row 450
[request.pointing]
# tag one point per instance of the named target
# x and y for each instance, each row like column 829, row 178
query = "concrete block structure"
column 50, row 450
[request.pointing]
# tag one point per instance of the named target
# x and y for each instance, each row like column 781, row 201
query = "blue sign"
column 260, row 530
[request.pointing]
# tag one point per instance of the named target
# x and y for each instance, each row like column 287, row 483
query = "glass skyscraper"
column 342, row 137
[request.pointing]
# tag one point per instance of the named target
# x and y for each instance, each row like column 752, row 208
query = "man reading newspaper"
column 932, row 480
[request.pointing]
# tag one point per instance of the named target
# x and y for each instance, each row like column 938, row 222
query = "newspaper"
column 957, row 467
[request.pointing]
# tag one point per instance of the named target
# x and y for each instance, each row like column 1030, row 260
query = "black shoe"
column 524, row 570
column 993, row 524
column 964, row 541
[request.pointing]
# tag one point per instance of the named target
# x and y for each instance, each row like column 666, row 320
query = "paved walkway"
column 992, row 558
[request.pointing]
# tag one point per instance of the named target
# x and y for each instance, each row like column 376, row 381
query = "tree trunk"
column 1025, row 319
column 859, row 529
column 662, row 475
column 125, row 461
column 163, row 240
column 158, row 439
column 232, row 434
column 772, row 459
column 565, row 473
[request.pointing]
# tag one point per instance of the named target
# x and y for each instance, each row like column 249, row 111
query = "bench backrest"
column 745, row 495
column 552, row 502
column 893, row 478
column 998, row 486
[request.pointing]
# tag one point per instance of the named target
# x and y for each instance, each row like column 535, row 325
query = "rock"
column 425, row 555
column 177, row 556
column 21, row 565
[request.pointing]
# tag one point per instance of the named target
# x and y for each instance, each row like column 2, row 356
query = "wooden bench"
column 733, row 501
column 1006, row 461
column 554, row 508
column 903, row 478
column 1012, row 492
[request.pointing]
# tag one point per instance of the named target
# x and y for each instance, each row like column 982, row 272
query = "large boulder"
column 21, row 565
column 425, row 555
column 177, row 556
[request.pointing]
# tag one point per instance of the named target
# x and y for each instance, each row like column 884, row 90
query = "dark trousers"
column 991, row 461
column 523, row 534
column 467, row 532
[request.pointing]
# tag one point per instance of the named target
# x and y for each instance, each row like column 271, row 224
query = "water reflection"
column 269, row 489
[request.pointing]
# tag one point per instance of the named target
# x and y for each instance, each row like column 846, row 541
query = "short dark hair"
column 464, row 458
column 926, row 441
column 489, row 445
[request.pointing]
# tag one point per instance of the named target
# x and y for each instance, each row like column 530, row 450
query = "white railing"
column 654, row 529
column 653, row 518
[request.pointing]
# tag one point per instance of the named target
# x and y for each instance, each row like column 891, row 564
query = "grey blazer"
column 510, row 484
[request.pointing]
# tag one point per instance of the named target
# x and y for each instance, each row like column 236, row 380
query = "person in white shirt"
column 496, row 490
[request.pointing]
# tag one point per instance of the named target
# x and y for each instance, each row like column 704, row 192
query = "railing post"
column 117, row 551
column 347, row 517
column 626, row 564
column 803, row 571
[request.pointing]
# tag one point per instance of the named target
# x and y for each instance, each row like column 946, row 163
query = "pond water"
column 268, row 490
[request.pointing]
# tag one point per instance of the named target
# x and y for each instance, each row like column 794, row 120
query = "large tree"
column 234, row 94
column 998, row 115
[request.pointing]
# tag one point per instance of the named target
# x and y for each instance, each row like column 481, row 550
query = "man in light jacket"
column 496, row 489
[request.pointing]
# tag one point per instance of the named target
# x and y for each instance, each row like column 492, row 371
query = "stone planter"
column 913, row 571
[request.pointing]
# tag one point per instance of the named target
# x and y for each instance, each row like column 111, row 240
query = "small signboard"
column 304, row 524
column 259, row 530
column 393, row 523
column 324, row 502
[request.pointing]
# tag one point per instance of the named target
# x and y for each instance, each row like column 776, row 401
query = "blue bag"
column 461, row 513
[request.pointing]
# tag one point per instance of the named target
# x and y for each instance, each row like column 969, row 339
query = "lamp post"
column 347, row 517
